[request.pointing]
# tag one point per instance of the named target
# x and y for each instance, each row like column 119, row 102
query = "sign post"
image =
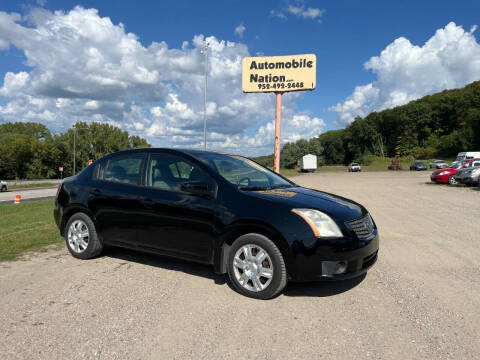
column 61, row 171
column 279, row 74
column 278, row 117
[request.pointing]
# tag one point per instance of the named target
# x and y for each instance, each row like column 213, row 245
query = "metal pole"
column 278, row 117
column 205, row 49
column 74, row 149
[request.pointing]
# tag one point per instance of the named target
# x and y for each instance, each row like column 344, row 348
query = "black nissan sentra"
column 225, row 210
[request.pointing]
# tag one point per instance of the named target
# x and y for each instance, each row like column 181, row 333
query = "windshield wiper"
column 254, row 188
column 282, row 186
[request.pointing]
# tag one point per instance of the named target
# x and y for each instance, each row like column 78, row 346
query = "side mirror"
column 197, row 188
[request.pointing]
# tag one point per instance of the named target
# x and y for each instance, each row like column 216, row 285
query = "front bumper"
column 467, row 179
column 440, row 178
column 360, row 256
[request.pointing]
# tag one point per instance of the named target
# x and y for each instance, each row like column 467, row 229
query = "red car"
column 448, row 175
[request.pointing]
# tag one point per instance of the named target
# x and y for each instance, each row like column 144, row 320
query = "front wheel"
column 451, row 180
column 256, row 267
column 4, row 188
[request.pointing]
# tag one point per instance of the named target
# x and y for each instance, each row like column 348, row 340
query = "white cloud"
column 449, row 59
column 239, row 30
column 305, row 13
column 84, row 67
column 278, row 14
column 299, row 10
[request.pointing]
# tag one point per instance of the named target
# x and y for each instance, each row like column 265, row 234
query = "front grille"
column 362, row 227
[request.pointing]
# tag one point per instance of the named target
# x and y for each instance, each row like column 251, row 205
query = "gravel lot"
column 420, row 301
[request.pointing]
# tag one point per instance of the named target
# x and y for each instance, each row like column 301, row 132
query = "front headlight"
column 321, row 224
column 444, row 173
column 476, row 172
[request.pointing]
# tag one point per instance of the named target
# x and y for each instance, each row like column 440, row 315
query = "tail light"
column 58, row 189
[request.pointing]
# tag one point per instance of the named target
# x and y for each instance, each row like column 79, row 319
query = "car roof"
column 191, row 152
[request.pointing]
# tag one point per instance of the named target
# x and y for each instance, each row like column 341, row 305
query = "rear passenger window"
column 125, row 169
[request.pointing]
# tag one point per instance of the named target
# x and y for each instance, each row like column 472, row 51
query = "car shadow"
column 313, row 289
column 322, row 288
column 165, row 262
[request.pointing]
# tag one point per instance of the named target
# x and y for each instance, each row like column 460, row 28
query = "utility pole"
column 74, row 127
column 205, row 52
column 74, row 146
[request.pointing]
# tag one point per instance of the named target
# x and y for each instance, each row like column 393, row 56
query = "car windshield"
column 243, row 173
column 354, row 164
column 457, row 164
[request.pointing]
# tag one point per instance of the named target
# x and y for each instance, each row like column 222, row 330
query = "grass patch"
column 25, row 227
column 31, row 186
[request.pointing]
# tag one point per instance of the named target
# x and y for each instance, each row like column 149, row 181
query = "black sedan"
column 218, row 209
column 418, row 166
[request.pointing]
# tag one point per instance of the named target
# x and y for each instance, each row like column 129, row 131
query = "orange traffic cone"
column 17, row 200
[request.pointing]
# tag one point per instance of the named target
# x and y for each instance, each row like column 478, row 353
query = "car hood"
column 337, row 207
column 464, row 171
column 450, row 170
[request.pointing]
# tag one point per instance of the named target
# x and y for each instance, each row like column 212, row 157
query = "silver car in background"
column 438, row 164
column 3, row 186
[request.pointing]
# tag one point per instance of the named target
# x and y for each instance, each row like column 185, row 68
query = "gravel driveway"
column 420, row 301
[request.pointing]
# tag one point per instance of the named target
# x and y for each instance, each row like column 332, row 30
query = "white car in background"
column 354, row 167
column 3, row 186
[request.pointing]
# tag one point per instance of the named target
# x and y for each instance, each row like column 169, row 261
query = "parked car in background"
column 470, row 174
column 3, row 186
column 418, row 166
column 468, row 155
column 438, row 164
column 224, row 210
column 354, row 167
column 447, row 176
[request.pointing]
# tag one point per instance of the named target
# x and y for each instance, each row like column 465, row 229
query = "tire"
column 84, row 235
column 253, row 287
column 452, row 181
column 4, row 188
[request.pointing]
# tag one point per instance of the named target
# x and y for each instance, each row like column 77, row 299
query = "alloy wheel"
column 253, row 267
column 78, row 236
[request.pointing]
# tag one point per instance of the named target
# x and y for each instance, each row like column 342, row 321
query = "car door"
column 115, row 198
column 175, row 221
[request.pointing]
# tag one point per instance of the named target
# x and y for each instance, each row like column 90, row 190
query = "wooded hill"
column 439, row 125
column 31, row 151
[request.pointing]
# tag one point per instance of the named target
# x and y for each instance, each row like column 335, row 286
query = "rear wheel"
column 256, row 267
column 4, row 188
column 81, row 237
column 451, row 180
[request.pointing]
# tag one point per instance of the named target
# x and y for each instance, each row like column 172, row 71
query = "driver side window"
column 167, row 172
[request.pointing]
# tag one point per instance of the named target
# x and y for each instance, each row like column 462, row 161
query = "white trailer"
column 308, row 163
column 468, row 155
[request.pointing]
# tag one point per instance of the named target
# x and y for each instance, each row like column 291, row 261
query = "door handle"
column 147, row 202
column 96, row 192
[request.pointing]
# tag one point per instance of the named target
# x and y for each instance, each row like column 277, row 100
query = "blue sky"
column 344, row 35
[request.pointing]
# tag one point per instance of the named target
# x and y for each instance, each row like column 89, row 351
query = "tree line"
column 29, row 150
column 438, row 125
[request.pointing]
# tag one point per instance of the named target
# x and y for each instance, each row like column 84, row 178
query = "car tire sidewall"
column 94, row 247
column 451, row 180
column 279, row 280
column 4, row 188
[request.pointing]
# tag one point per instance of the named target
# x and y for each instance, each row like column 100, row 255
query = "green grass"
column 25, row 227
column 31, row 186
